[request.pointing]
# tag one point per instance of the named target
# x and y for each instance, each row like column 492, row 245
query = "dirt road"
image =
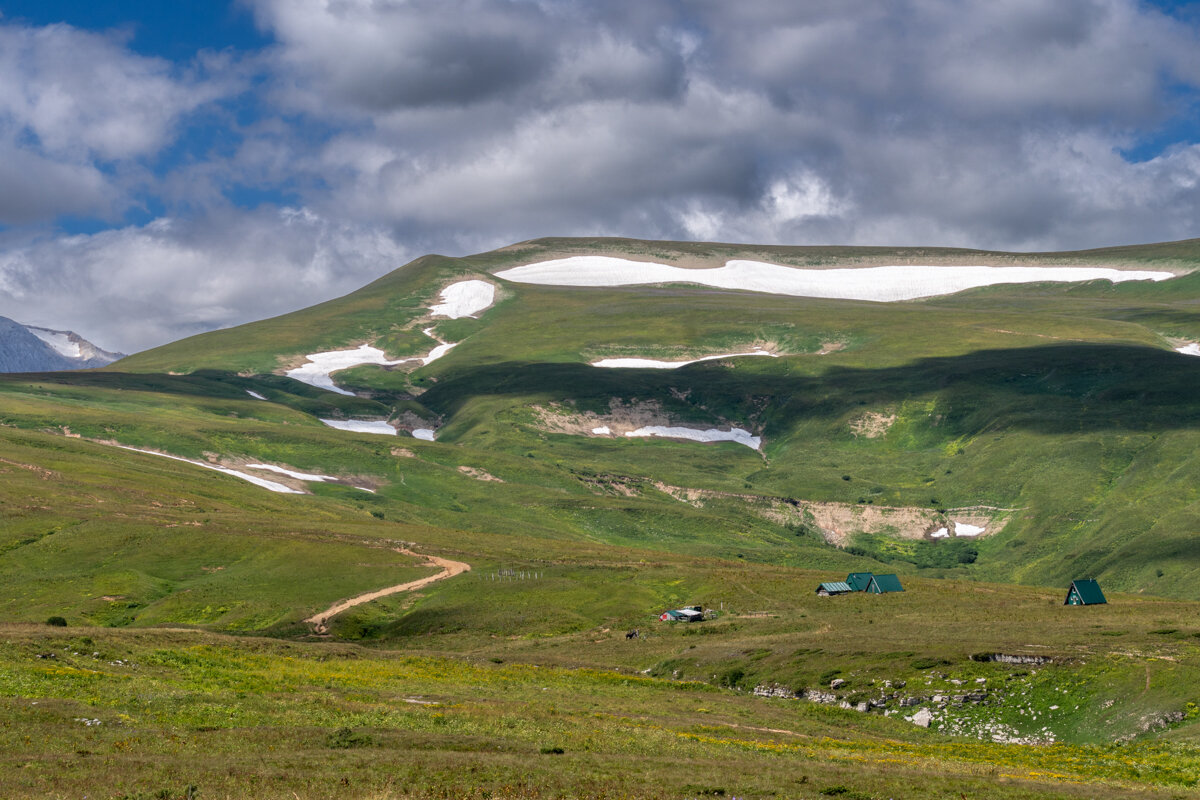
column 320, row 622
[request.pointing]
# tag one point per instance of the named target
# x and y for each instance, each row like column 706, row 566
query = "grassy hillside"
column 1056, row 417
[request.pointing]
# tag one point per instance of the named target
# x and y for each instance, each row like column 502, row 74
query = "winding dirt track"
column 320, row 622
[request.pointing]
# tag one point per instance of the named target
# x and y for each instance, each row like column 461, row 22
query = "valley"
column 430, row 579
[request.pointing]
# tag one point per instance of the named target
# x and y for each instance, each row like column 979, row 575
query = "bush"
column 57, row 622
column 346, row 738
column 552, row 751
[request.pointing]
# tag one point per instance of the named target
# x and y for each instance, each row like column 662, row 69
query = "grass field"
column 1058, row 415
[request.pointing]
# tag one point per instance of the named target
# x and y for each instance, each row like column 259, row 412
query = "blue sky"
column 167, row 168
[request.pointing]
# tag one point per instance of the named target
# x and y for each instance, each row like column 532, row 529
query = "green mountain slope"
column 1059, row 408
column 1056, row 418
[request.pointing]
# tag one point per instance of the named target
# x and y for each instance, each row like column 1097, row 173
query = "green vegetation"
column 1057, row 417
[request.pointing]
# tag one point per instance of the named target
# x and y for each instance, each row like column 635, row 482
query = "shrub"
column 346, row 738
column 552, row 751
column 57, row 622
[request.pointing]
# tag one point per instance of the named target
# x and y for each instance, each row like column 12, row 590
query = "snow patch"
column 59, row 340
column 885, row 284
column 255, row 395
column 940, row 533
column 361, row 425
column 650, row 363
column 300, row 476
column 603, row 430
column 711, row 435
column 424, row 434
column 257, row 481
column 1192, row 349
column 437, row 352
column 963, row 529
column 317, row 372
column 464, row 299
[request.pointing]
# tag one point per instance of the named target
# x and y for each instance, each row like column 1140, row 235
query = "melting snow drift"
column 317, row 371
column 424, row 434
column 300, row 476
column 361, row 425
column 255, row 395
column 963, row 529
column 263, row 482
column 650, row 363
column 1192, row 349
column 464, row 299
column 711, row 435
column 864, row 283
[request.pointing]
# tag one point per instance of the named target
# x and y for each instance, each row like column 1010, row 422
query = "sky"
column 171, row 168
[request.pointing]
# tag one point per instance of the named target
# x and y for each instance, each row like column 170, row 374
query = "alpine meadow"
column 416, row 541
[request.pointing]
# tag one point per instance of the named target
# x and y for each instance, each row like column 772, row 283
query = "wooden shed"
column 1085, row 593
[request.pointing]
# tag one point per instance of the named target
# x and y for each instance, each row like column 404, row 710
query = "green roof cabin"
column 881, row 584
column 831, row 588
column 859, row 580
column 1085, row 593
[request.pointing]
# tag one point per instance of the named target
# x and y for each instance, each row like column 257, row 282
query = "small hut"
column 859, row 580
column 1085, row 593
column 882, row 584
column 682, row 615
column 830, row 588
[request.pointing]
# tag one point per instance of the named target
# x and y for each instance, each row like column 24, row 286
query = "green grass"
column 1062, row 407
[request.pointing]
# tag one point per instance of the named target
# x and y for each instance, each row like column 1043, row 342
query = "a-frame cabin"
column 1085, row 593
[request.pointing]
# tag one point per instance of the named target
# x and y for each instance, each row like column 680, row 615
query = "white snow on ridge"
column 361, row 426
column 1192, row 349
column 255, row 395
column 464, row 299
column 263, row 482
column 863, row 283
column 317, row 371
column 58, row 340
column 650, row 363
column 711, row 435
column 301, row 476
column 963, row 529
column 439, row 351
column 424, row 434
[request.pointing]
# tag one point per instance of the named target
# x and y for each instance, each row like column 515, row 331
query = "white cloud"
column 73, row 101
column 136, row 287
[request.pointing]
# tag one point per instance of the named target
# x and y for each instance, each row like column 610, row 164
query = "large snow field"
column 862, row 283
column 694, row 434
column 257, row 481
column 1192, row 349
column 464, row 299
column 361, row 426
column 650, row 363
column 317, row 371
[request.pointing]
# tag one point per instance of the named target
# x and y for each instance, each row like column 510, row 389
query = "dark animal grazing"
column 633, row 634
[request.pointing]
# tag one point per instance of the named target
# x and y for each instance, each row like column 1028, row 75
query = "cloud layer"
column 405, row 126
